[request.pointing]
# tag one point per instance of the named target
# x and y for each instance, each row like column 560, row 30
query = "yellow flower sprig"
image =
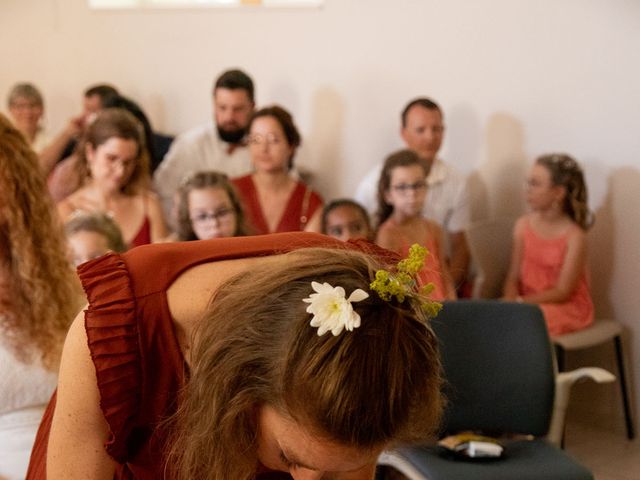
column 403, row 283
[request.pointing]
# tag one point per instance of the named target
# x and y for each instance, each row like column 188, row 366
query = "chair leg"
column 623, row 388
column 560, row 358
column 560, row 364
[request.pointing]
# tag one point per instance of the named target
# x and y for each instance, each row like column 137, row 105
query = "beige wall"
column 515, row 78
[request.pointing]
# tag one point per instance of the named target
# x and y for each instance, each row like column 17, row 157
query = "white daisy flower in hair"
column 332, row 310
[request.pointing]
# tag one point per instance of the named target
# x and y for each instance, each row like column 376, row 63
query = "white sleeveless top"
column 24, row 393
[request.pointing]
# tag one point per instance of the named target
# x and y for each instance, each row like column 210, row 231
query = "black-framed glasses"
column 406, row 187
column 220, row 215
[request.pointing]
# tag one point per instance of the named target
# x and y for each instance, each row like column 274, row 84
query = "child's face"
column 407, row 190
column 85, row 245
column 211, row 213
column 347, row 223
column 541, row 193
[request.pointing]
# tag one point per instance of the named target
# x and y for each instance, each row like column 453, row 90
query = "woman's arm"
column 572, row 267
column 437, row 233
column 510, row 288
column 460, row 257
column 54, row 150
column 79, row 429
column 159, row 230
column 314, row 224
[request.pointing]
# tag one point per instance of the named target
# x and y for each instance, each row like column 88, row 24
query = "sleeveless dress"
column 301, row 206
column 432, row 270
column 542, row 261
column 139, row 365
column 25, row 390
column 143, row 237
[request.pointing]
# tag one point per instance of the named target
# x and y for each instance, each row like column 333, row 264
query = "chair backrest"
column 490, row 245
column 498, row 367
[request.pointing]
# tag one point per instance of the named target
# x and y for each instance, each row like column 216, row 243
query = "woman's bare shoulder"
column 189, row 295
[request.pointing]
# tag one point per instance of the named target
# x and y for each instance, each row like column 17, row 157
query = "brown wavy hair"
column 116, row 122
column 377, row 385
column 566, row 172
column 39, row 292
column 201, row 180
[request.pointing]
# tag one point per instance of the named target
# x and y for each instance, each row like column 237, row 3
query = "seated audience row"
column 274, row 201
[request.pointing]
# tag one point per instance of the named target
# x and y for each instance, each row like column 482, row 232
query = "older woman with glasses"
column 26, row 107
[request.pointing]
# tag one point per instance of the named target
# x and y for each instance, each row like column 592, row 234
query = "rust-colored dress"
column 139, row 364
column 301, row 206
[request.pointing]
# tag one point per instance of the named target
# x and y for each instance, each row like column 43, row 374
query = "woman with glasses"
column 114, row 168
column 209, row 207
column 401, row 192
column 273, row 200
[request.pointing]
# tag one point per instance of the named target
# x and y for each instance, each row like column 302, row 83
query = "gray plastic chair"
column 600, row 332
column 500, row 379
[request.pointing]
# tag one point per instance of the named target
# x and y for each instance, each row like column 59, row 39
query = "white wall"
column 516, row 79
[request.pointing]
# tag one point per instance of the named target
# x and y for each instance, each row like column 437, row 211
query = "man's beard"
column 231, row 136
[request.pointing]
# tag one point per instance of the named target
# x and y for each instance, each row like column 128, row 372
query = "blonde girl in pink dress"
column 401, row 192
column 549, row 258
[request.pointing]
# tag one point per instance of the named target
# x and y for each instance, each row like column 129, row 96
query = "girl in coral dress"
column 549, row 259
column 401, row 192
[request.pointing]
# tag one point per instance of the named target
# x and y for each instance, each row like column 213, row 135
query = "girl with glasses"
column 208, row 207
column 401, row 192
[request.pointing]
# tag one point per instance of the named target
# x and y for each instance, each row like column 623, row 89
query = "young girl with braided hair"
column 549, row 258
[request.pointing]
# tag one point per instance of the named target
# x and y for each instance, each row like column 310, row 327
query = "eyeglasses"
column 406, row 187
column 221, row 215
column 269, row 139
column 24, row 105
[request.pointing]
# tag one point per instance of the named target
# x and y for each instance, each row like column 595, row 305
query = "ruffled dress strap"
column 112, row 334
